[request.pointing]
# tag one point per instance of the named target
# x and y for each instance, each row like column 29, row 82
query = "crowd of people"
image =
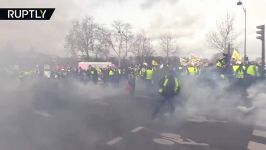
column 167, row 78
column 238, row 72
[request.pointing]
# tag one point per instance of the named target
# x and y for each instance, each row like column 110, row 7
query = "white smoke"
column 218, row 100
column 50, row 114
column 55, row 114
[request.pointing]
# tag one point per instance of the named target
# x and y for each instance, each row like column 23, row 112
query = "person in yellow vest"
column 149, row 77
column 221, row 67
column 169, row 88
column 239, row 70
column 221, row 63
column 111, row 75
column 192, row 70
column 252, row 72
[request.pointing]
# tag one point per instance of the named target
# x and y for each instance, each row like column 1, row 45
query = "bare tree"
column 224, row 34
column 103, row 46
column 82, row 37
column 118, row 39
column 168, row 45
column 70, row 39
column 141, row 47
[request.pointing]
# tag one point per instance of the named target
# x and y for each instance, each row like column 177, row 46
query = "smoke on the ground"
column 51, row 114
column 219, row 100
column 63, row 114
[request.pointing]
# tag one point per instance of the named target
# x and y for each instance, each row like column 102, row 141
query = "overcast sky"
column 188, row 20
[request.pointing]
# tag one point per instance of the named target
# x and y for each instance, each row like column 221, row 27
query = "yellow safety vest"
column 239, row 72
column 165, row 84
column 220, row 63
column 111, row 73
column 252, row 70
column 235, row 67
column 149, row 74
column 192, row 70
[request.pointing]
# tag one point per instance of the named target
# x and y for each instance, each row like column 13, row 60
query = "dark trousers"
column 169, row 100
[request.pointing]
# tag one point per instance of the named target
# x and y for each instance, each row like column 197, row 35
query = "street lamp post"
column 245, row 43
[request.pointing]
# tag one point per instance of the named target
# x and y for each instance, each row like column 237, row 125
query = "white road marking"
column 163, row 141
column 191, row 142
column 114, row 141
column 202, row 119
column 256, row 146
column 171, row 135
column 137, row 129
column 182, row 142
column 179, row 140
column 259, row 133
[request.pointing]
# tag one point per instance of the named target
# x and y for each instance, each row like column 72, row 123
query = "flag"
column 236, row 56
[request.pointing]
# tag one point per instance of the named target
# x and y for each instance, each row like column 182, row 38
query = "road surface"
column 46, row 120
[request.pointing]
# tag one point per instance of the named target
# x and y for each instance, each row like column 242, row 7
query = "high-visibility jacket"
column 111, row 73
column 192, row 70
column 220, row 63
column 235, row 67
column 252, row 70
column 164, row 88
column 149, row 74
column 239, row 71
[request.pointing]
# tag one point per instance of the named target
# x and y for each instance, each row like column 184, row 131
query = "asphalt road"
column 46, row 120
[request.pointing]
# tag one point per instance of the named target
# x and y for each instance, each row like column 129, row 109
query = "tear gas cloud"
column 218, row 100
column 53, row 114
column 42, row 114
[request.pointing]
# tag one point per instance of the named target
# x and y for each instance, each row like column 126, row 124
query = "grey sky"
column 188, row 20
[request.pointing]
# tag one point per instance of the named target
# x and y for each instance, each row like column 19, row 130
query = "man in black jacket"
column 169, row 88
